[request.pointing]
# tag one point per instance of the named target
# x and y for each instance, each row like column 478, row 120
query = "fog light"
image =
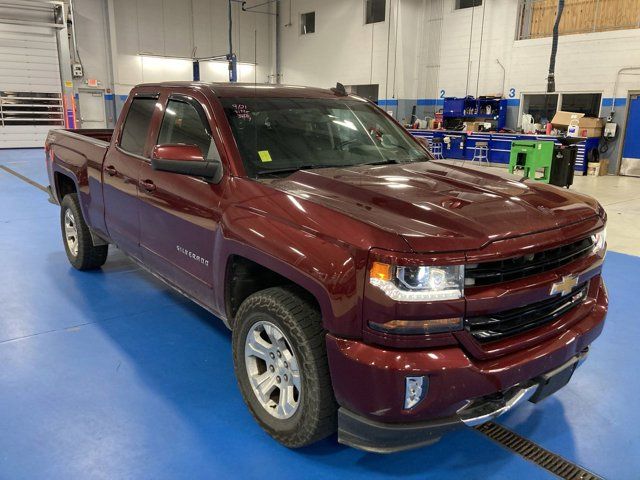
column 415, row 390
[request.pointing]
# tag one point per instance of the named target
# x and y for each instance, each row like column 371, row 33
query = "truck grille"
column 509, row 322
column 489, row 273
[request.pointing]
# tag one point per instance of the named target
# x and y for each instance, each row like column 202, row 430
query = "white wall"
column 187, row 28
column 455, row 51
column 585, row 62
column 433, row 42
column 344, row 49
column 136, row 36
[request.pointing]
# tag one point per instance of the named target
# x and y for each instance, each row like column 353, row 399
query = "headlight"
column 418, row 283
column 599, row 240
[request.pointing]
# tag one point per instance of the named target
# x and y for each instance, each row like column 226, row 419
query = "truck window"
column 183, row 124
column 136, row 125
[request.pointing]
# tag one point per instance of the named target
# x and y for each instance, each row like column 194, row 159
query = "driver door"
column 179, row 214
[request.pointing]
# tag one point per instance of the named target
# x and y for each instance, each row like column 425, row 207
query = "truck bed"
column 103, row 134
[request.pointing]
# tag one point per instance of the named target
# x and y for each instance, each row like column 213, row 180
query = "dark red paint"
column 321, row 229
column 177, row 152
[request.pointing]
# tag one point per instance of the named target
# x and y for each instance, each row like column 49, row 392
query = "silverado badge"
column 564, row 286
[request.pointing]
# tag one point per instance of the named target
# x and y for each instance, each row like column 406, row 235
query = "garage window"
column 374, row 10
column 307, row 23
column 460, row 4
column 136, row 126
column 542, row 107
column 587, row 103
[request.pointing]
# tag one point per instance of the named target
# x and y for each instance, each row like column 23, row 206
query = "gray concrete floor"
column 620, row 197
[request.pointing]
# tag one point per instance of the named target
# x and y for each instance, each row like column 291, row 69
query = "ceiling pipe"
column 615, row 88
column 504, row 76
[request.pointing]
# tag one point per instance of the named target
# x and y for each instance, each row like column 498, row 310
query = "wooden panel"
column 582, row 16
column 610, row 17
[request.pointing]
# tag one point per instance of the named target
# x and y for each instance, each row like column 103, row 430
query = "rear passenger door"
column 120, row 173
column 179, row 214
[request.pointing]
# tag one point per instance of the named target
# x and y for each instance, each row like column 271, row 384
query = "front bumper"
column 372, row 436
column 462, row 389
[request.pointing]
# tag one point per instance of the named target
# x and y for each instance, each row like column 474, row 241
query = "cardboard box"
column 472, row 126
column 587, row 126
column 477, row 126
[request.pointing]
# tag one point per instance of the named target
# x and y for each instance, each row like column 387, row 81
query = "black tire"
column 88, row 256
column 293, row 312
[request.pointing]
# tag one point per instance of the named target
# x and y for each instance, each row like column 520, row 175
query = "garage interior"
column 112, row 374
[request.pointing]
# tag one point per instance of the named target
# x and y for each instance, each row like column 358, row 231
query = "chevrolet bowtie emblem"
column 565, row 286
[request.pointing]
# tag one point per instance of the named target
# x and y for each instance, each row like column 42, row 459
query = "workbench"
column 461, row 145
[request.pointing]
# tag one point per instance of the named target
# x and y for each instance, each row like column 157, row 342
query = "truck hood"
column 437, row 207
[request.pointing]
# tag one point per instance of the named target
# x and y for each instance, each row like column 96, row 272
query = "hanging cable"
column 551, row 80
column 466, row 88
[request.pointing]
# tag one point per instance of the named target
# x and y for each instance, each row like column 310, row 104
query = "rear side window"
column 183, row 124
column 136, row 126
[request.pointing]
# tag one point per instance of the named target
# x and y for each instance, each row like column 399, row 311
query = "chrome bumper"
column 477, row 412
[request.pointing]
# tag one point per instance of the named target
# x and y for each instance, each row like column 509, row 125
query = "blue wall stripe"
column 513, row 102
column 123, row 98
column 108, row 96
column 430, row 101
column 608, row 102
column 388, row 102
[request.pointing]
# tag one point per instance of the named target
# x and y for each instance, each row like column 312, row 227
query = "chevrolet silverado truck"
column 370, row 290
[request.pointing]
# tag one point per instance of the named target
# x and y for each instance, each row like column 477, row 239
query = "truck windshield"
column 278, row 136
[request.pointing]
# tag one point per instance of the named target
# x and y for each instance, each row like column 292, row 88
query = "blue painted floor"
column 110, row 375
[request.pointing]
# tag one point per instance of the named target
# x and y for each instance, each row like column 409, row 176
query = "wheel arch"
column 64, row 184
column 245, row 276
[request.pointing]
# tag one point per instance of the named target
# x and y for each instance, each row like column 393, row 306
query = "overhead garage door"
column 30, row 90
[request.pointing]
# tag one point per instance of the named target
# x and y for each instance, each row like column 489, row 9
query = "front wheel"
column 281, row 365
column 81, row 251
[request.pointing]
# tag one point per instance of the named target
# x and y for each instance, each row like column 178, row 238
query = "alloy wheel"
column 71, row 232
column 273, row 370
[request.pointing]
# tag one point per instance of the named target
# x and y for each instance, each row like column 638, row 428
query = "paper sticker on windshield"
column 264, row 155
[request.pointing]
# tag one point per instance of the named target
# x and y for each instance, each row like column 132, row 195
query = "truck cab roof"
column 226, row 89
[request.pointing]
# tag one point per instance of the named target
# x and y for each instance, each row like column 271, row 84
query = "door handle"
column 148, row 185
column 111, row 171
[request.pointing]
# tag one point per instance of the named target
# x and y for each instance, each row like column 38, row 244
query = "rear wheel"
column 81, row 251
column 281, row 365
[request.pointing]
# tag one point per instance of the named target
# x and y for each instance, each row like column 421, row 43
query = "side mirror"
column 185, row 160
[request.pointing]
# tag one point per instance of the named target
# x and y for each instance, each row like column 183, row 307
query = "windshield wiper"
column 378, row 162
column 266, row 171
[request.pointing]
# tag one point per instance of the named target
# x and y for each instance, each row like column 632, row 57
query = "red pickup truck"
column 369, row 289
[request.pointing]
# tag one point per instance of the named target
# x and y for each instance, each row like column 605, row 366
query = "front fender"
column 333, row 272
